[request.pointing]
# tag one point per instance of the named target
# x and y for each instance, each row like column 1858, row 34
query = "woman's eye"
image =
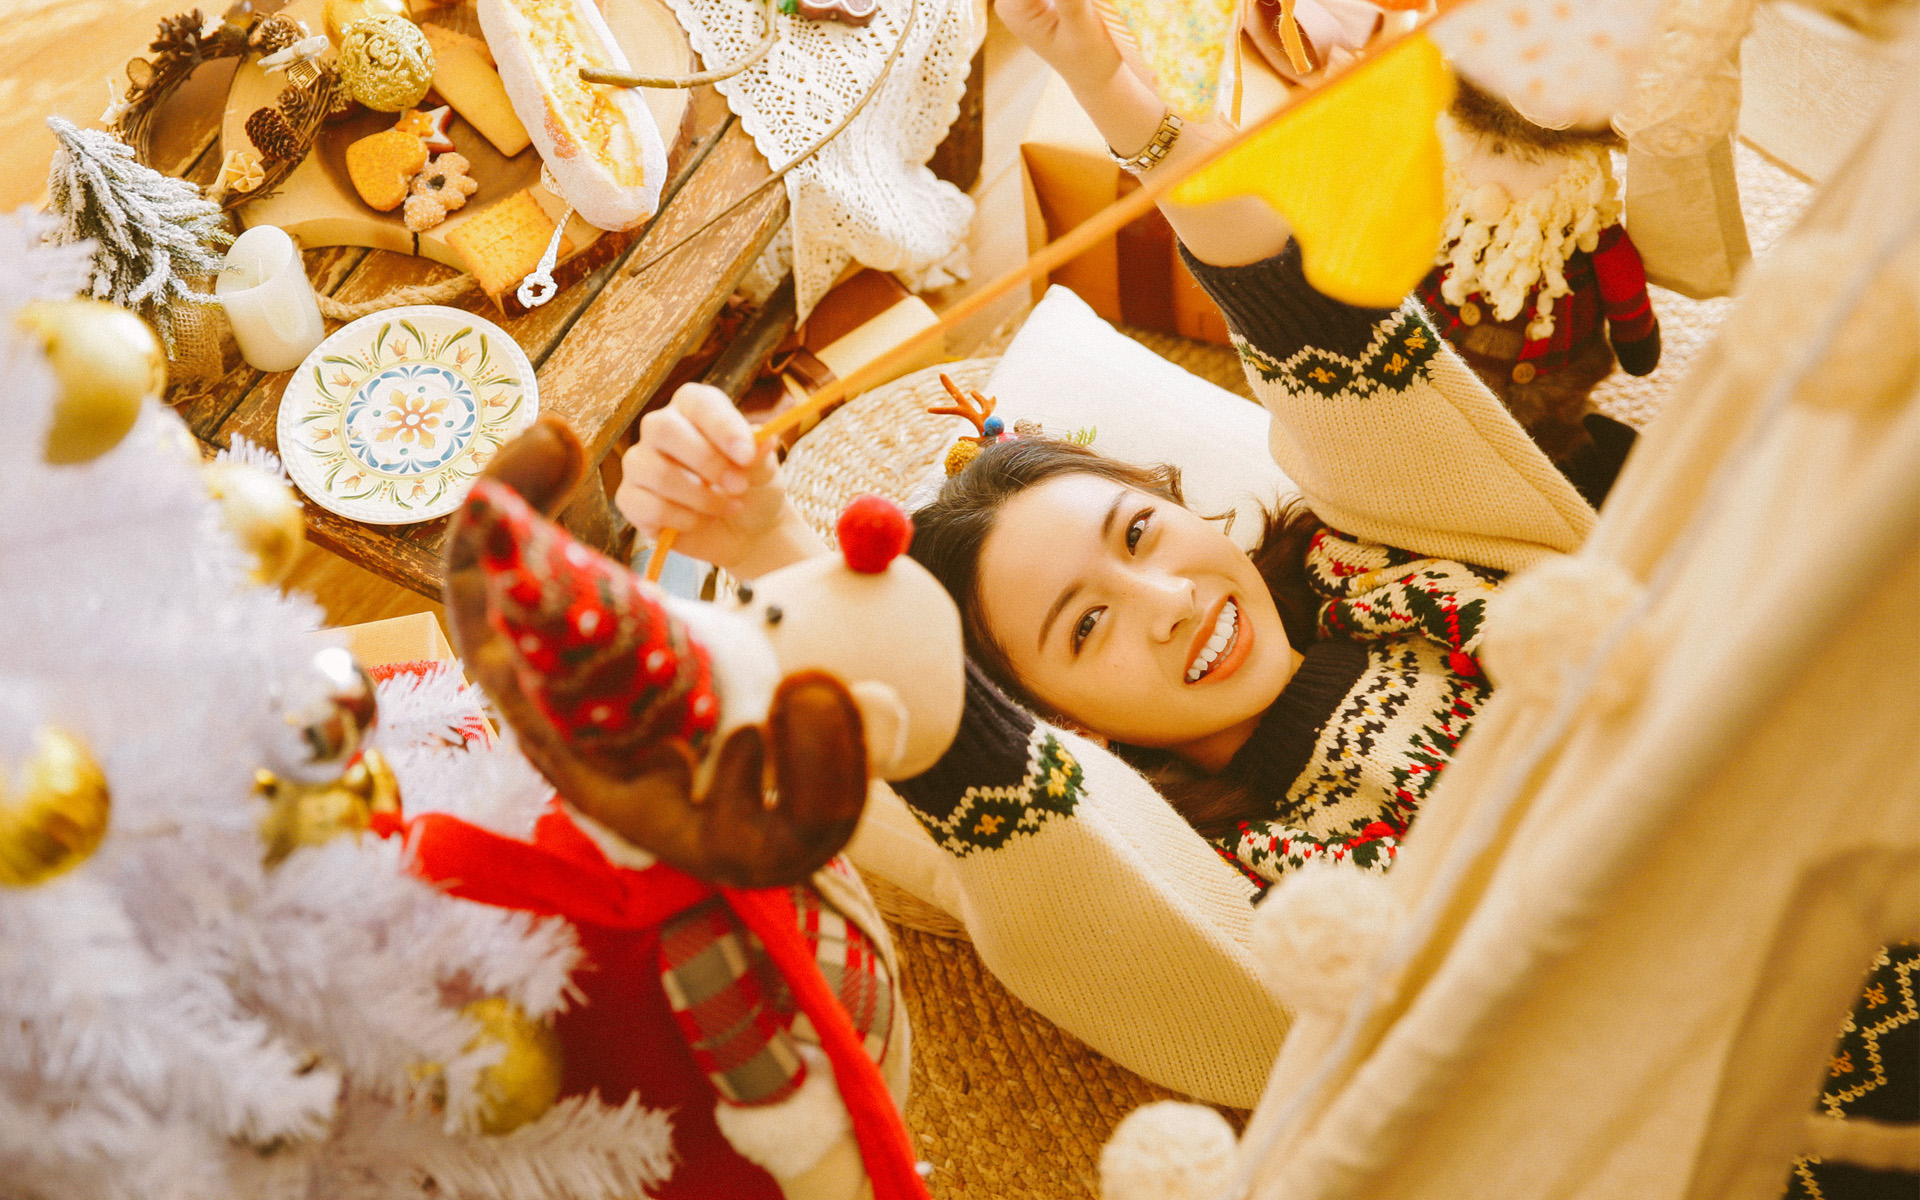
column 1137, row 528
column 1084, row 629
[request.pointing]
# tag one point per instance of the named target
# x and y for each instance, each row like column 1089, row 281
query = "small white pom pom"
column 1319, row 931
column 1168, row 1151
column 1543, row 625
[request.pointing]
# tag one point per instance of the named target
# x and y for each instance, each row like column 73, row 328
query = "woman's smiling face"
column 1133, row 617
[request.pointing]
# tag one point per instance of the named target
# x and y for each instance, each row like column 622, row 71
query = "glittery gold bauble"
column 310, row 814
column 386, row 62
column 261, row 513
column 339, row 14
column 523, row 1085
column 107, row 362
column 53, row 810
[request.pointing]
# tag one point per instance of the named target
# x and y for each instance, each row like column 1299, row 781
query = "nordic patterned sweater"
column 1083, row 891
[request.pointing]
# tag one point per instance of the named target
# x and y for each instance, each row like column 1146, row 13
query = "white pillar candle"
column 263, row 286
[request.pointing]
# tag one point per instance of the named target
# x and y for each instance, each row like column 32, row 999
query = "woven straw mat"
column 1003, row 1103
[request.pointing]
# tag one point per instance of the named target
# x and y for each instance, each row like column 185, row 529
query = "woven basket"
column 1003, row 1102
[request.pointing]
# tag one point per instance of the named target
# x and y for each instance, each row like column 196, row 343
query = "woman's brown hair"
column 949, row 533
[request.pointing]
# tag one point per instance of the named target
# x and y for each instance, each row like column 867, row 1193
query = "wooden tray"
column 317, row 203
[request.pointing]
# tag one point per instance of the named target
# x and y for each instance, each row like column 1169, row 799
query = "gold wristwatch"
column 1158, row 148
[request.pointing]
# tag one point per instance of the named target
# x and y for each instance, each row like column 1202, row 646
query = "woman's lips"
column 1233, row 654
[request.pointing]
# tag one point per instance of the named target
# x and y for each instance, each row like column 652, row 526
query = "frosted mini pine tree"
column 156, row 234
column 182, row 1021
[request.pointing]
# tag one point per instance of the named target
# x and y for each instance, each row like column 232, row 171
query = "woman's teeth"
column 1224, row 631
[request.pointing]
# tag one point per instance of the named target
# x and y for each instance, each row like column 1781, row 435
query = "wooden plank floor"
column 55, row 58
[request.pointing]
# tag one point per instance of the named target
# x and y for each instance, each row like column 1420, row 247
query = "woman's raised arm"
column 1073, row 40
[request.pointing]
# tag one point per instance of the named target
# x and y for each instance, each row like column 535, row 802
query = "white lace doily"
column 868, row 195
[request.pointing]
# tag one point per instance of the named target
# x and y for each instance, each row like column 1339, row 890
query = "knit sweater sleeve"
column 1385, row 430
column 1096, row 904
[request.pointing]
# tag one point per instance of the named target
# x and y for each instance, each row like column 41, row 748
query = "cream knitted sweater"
column 1083, row 891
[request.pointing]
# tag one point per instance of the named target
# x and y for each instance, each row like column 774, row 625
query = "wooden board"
column 318, row 204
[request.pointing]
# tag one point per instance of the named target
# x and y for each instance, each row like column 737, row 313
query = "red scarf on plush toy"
column 562, row 873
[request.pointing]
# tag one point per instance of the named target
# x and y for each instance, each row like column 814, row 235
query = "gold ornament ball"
column 339, row 14
column 263, row 515
column 106, row 361
column 312, row 814
column 523, row 1085
column 386, row 62
column 53, row 810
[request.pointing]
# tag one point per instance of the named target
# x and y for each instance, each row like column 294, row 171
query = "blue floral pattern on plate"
column 389, row 420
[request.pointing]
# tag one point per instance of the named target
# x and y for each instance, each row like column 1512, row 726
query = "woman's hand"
column 1067, row 35
column 697, row 471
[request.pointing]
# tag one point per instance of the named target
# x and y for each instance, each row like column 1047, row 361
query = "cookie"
column 382, row 167
column 499, row 245
column 429, row 125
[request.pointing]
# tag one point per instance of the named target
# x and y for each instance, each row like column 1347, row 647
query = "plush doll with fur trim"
column 710, row 761
column 1537, row 284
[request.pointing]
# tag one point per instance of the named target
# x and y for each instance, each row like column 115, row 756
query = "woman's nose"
column 1172, row 601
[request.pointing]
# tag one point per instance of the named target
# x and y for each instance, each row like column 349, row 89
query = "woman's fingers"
column 650, row 512
column 710, row 412
column 668, row 437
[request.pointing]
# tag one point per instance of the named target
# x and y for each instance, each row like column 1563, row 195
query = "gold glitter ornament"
column 386, row 62
column 263, row 515
column 107, row 362
column 523, row 1085
column 338, row 14
column 53, row 810
column 311, row 814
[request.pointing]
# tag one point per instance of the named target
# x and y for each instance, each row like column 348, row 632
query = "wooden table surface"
column 601, row 348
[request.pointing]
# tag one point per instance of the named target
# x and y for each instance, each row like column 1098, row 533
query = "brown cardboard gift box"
column 1137, row 277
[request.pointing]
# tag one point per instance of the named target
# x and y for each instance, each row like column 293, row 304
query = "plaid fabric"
column 1609, row 283
column 739, row 1017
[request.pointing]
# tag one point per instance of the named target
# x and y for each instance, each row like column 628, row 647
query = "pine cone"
column 302, row 107
column 180, row 35
column 275, row 33
column 272, row 136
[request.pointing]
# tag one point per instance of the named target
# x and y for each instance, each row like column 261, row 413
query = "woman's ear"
column 883, row 715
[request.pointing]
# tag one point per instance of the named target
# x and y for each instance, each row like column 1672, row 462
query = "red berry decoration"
column 873, row 531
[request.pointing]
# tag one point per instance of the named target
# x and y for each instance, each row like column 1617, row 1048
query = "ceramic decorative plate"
column 389, row 419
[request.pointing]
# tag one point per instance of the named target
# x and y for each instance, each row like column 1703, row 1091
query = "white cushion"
column 1070, row 370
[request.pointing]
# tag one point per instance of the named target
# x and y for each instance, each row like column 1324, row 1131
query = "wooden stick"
column 1068, row 246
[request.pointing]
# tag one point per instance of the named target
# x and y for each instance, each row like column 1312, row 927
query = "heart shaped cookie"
column 382, row 167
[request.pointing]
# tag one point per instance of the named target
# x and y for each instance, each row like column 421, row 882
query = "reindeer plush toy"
column 710, row 761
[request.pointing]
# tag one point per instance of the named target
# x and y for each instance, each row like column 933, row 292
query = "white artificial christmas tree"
column 182, row 1020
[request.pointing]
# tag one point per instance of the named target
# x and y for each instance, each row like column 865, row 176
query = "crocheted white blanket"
column 867, row 196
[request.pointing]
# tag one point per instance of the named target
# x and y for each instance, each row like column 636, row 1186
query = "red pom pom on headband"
column 873, row 531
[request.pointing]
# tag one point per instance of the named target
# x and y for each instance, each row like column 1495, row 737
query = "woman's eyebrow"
column 1073, row 589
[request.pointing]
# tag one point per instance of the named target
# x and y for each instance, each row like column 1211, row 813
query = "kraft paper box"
column 1136, row 278
column 396, row 640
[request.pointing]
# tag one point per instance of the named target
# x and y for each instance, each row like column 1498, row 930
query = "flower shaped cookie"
column 440, row 188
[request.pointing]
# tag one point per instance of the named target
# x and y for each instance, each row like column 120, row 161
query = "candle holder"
column 263, row 286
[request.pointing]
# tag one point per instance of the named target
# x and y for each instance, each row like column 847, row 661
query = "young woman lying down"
column 1292, row 703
